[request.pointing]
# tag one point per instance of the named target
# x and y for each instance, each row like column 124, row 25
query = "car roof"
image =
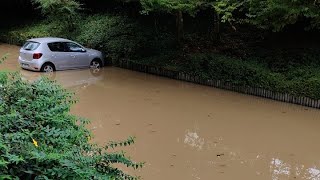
column 49, row 40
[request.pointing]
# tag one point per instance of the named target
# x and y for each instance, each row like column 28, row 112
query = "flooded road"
column 191, row 132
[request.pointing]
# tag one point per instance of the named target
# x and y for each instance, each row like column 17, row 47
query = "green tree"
column 277, row 14
column 222, row 11
column 175, row 7
column 64, row 11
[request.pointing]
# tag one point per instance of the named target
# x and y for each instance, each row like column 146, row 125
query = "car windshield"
column 31, row 46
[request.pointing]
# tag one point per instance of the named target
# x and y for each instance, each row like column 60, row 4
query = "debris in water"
column 117, row 122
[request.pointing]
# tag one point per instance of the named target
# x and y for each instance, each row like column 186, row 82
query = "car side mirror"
column 83, row 50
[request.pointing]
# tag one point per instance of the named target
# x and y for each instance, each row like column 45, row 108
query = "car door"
column 79, row 57
column 59, row 56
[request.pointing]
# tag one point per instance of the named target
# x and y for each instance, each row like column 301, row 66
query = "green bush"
column 296, row 80
column 118, row 36
column 40, row 139
column 2, row 74
column 303, row 81
column 18, row 35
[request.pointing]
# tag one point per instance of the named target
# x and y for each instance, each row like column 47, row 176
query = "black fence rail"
column 284, row 97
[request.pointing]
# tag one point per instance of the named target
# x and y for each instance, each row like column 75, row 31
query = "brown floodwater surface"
column 186, row 131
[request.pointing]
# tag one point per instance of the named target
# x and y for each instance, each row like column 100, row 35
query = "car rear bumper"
column 30, row 65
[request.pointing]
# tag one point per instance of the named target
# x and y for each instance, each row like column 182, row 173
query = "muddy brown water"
column 191, row 132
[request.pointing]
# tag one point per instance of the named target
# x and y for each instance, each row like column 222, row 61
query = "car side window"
column 72, row 47
column 56, row 47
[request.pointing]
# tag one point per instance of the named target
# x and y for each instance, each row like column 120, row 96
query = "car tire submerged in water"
column 96, row 63
column 95, row 67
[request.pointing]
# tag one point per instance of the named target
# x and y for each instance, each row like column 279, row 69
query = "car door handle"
column 73, row 56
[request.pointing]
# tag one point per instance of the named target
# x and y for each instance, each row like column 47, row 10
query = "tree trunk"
column 179, row 24
column 215, row 35
column 155, row 23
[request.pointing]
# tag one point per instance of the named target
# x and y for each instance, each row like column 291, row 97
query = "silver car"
column 49, row 54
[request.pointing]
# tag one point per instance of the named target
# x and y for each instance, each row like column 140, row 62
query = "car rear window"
column 31, row 46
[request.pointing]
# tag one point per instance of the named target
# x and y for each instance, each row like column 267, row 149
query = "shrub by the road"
column 302, row 80
column 40, row 139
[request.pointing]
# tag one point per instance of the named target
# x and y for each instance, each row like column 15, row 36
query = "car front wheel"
column 96, row 64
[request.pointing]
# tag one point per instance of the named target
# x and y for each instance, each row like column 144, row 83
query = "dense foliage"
column 40, row 139
column 64, row 11
column 119, row 36
column 116, row 35
column 299, row 80
column 277, row 14
column 267, row 14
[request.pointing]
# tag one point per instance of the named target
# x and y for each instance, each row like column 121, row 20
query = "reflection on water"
column 189, row 132
column 193, row 139
column 71, row 79
column 278, row 168
column 314, row 173
column 282, row 170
